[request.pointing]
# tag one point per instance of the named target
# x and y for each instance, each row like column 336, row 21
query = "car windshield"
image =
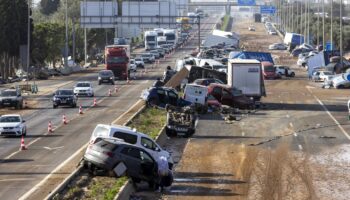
column 146, row 55
column 105, row 73
column 269, row 68
column 7, row 93
column 9, row 119
column 138, row 59
column 83, row 85
column 116, row 60
column 64, row 92
column 132, row 62
column 236, row 92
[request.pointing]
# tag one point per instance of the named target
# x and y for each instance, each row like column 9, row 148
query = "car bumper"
column 8, row 104
column 68, row 102
column 86, row 93
column 11, row 132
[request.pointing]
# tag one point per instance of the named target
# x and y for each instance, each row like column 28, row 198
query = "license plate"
column 7, row 103
column 181, row 134
column 181, row 129
column 63, row 101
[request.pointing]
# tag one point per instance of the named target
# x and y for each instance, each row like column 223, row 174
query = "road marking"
column 287, row 116
column 300, row 147
column 42, row 182
column 330, row 115
column 54, row 148
column 291, row 124
column 16, row 179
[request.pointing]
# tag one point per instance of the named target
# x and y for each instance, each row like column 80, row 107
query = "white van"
column 130, row 136
column 196, row 94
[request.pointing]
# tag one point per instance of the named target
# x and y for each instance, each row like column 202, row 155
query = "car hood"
column 82, row 88
column 12, row 98
column 10, row 124
column 59, row 96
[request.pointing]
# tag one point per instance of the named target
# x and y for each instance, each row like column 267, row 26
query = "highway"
column 21, row 171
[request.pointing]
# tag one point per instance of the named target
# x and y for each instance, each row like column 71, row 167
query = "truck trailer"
column 117, row 59
column 246, row 75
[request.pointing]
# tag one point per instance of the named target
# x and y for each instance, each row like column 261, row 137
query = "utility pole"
column 323, row 29
column 85, row 39
column 332, row 24
column 293, row 17
column 341, row 33
column 28, row 43
column 318, row 23
column 308, row 21
column 66, row 46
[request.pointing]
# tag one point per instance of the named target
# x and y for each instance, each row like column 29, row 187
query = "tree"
column 48, row 7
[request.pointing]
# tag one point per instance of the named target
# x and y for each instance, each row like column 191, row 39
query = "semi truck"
column 293, row 40
column 150, row 40
column 171, row 36
column 246, row 75
column 117, row 60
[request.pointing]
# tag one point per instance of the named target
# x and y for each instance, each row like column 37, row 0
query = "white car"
column 341, row 80
column 272, row 32
column 84, row 88
column 277, row 46
column 282, row 70
column 196, row 94
column 12, row 125
column 322, row 76
column 139, row 62
column 130, row 136
column 132, row 65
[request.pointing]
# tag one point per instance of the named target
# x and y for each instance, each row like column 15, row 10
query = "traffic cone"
column 64, row 119
column 49, row 127
column 95, row 102
column 80, row 110
column 23, row 146
column 115, row 89
column 109, row 92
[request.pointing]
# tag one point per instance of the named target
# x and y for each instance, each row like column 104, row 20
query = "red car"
column 230, row 96
column 269, row 71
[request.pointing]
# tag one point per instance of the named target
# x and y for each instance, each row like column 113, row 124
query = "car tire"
column 24, row 133
column 112, row 83
column 99, row 83
column 292, row 74
column 74, row 105
column 54, row 106
column 169, row 132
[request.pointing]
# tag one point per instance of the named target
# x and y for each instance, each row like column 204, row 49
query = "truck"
column 246, row 75
column 150, row 40
column 171, row 36
column 260, row 56
column 117, row 60
column 161, row 40
column 293, row 40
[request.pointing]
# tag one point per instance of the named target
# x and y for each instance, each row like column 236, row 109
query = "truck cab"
column 269, row 71
column 117, row 60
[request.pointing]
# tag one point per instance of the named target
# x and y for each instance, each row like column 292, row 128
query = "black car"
column 106, row 76
column 64, row 97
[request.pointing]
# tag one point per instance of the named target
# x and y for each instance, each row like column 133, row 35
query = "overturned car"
column 181, row 121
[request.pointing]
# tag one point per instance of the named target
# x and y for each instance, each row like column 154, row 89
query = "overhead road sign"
column 267, row 9
column 246, row 3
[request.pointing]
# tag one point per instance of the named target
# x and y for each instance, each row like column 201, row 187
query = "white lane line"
column 42, row 182
column 330, row 115
column 287, row 116
column 178, row 191
column 300, row 147
column 16, row 179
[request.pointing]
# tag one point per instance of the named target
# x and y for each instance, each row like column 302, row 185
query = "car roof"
column 124, row 129
column 11, row 115
column 219, row 85
column 83, row 82
column 64, row 89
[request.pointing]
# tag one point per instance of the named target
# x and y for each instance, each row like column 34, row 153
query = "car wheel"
column 292, row 74
column 24, row 133
column 112, row 83
column 99, row 83
column 74, row 105
column 54, row 106
column 169, row 132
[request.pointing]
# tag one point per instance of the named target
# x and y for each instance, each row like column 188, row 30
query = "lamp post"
column 28, row 43
column 66, row 45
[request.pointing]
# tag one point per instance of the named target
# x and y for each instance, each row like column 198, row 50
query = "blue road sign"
column 267, row 9
column 329, row 46
column 246, row 2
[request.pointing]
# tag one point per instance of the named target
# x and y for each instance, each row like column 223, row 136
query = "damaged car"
column 180, row 121
column 160, row 96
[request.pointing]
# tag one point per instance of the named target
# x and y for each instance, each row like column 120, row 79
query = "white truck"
column 161, row 40
column 246, row 75
column 150, row 40
column 171, row 36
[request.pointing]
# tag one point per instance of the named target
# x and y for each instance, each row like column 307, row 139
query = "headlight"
column 99, row 78
column 19, row 126
column 111, row 78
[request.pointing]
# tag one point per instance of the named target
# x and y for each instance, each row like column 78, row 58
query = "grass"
column 225, row 22
column 150, row 121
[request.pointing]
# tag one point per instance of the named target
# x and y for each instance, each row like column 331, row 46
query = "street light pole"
column 323, row 29
column 66, row 46
column 332, row 24
column 318, row 23
column 341, row 33
column 28, row 42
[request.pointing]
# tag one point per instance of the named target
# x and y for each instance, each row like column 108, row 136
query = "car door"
column 152, row 147
column 226, row 98
column 172, row 98
column 217, row 93
column 131, row 157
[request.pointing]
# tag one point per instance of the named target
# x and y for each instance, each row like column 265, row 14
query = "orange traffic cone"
column 115, row 89
column 23, row 146
column 95, row 102
column 49, row 127
column 64, row 119
column 80, row 110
